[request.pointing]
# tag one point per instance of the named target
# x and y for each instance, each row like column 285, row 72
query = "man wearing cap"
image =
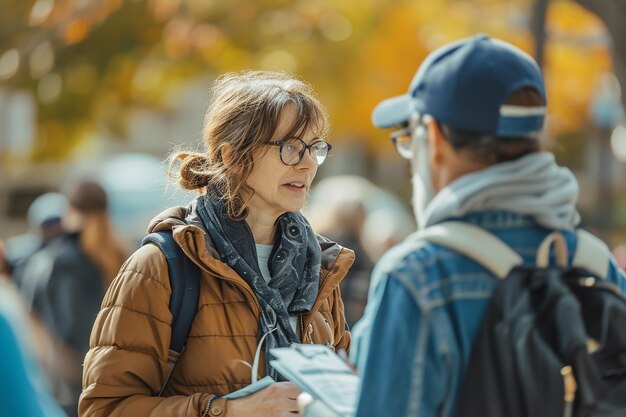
column 470, row 126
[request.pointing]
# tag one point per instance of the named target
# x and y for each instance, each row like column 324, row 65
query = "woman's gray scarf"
column 294, row 266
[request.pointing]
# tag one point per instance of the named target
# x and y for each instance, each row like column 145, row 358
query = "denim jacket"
column 426, row 305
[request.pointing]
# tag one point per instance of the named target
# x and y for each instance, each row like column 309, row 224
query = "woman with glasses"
column 267, row 280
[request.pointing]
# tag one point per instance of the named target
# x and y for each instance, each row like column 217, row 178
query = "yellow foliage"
column 575, row 58
column 354, row 52
column 567, row 16
column 76, row 31
column 388, row 58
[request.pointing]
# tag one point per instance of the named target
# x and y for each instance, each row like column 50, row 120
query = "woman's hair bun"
column 192, row 174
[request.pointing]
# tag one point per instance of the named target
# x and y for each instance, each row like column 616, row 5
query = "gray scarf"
column 294, row 266
column 533, row 185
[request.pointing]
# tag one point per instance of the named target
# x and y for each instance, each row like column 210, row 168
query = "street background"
column 106, row 88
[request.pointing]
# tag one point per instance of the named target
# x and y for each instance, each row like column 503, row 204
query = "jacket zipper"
column 569, row 383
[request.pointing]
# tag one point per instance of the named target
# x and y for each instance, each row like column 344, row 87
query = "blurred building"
column 130, row 168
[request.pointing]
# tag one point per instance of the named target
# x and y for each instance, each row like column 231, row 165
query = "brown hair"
column 243, row 114
column 97, row 239
column 489, row 149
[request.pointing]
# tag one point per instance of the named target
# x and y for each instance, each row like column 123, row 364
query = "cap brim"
column 392, row 112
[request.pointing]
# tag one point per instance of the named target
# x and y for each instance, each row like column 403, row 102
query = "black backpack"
column 553, row 339
column 185, row 283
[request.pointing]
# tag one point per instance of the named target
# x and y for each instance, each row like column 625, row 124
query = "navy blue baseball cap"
column 464, row 85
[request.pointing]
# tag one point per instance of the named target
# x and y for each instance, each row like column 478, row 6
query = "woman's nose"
column 308, row 160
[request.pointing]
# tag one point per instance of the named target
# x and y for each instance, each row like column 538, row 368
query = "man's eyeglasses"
column 414, row 132
column 292, row 150
column 403, row 141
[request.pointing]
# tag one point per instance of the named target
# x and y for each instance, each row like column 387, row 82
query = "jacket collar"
column 189, row 233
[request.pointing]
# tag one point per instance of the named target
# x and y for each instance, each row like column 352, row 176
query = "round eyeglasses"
column 292, row 150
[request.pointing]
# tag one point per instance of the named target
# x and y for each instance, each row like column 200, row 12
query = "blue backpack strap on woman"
column 185, row 283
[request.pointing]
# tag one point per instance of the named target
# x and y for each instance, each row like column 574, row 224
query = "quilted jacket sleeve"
column 127, row 360
column 342, row 332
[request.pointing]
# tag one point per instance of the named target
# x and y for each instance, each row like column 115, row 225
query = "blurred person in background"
column 382, row 230
column 64, row 283
column 348, row 231
column 344, row 225
column 44, row 218
column 23, row 385
column 358, row 214
column 470, row 126
column 267, row 280
column 88, row 220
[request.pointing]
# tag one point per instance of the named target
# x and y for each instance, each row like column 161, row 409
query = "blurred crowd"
column 57, row 272
column 61, row 269
column 55, row 275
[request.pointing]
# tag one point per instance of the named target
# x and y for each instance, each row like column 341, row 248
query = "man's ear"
column 438, row 146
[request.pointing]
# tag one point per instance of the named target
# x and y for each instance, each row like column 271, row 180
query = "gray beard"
column 423, row 192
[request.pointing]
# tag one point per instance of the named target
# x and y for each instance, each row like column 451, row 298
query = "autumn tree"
column 612, row 15
column 91, row 63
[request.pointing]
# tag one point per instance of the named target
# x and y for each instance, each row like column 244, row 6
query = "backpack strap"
column 185, row 283
column 592, row 254
column 492, row 252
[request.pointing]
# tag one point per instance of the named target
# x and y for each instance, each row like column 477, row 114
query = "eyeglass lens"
column 293, row 150
column 403, row 141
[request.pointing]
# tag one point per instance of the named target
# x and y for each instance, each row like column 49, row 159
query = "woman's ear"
column 227, row 155
column 232, row 162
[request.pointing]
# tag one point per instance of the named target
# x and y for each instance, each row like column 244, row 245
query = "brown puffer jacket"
column 128, row 358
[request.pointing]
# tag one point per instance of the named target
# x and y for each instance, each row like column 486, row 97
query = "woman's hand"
column 276, row 400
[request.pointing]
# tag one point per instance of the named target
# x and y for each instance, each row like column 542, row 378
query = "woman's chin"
column 292, row 208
